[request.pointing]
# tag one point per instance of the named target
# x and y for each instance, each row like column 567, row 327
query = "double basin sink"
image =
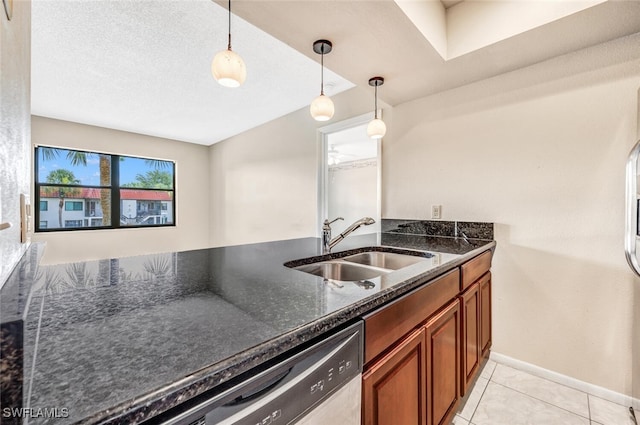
column 362, row 266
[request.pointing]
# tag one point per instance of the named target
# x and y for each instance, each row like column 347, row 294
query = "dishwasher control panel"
column 314, row 376
column 287, row 391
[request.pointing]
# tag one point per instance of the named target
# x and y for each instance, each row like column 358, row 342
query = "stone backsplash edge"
column 453, row 229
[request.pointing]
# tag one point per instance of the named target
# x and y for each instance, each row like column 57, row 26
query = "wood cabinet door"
column 485, row 313
column 470, row 334
column 443, row 341
column 393, row 389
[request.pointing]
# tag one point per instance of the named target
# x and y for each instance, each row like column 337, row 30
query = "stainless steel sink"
column 339, row 270
column 362, row 266
column 385, row 260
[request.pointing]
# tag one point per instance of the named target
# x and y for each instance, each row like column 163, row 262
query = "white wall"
column 192, row 194
column 541, row 152
column 264, row 183
column 353, row 194
column 15, row 107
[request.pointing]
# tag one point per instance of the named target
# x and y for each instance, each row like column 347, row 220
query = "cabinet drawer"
column 387, row 325
column 473, row 269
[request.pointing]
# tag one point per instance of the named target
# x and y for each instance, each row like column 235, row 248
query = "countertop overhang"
column 127, row 339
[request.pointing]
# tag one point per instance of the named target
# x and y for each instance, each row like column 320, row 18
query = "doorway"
column 349, row 175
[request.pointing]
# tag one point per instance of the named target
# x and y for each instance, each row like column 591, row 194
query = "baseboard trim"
column 568, row 381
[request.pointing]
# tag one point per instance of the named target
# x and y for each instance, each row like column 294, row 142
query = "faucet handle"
column 327, row 222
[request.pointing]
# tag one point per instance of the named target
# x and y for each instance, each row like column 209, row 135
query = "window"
column 90, row 210
column 92, row 190
column 73, row 206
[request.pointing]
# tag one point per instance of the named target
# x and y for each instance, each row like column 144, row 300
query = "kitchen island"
column 124, row 340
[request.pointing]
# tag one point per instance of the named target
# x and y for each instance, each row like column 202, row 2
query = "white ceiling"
column 144, row 65
column 377, row 38
column 450, row 3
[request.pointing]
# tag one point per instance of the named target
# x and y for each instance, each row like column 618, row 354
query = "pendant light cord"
column 229, row 45
column 321, row 71
column 376, row 102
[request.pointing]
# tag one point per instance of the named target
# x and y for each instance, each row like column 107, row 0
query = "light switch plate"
column 25, row 212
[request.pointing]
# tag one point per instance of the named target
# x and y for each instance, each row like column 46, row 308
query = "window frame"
column 114, row 189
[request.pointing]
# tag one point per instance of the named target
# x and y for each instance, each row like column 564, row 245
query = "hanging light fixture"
column 322, row 106
column 228, row 67
column 376, row 128
column 334, row 156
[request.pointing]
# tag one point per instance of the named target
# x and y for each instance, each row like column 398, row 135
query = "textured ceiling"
column 144, row 66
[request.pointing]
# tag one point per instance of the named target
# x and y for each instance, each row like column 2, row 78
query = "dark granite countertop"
column 122, row 340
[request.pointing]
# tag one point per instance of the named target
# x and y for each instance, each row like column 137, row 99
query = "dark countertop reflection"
column 122, row 340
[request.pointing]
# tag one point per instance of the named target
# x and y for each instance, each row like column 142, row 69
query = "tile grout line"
column 555, row 383
column 543, row 401
column 549, row 380
column 559, row 378
column 483, row 391
column 479, row 401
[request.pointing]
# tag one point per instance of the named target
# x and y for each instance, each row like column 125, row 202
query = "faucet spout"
column 365, row 221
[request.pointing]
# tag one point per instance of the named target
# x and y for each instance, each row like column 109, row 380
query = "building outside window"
column 90, row 210
column 73, row 206
column 92, row 190
column 73, row 223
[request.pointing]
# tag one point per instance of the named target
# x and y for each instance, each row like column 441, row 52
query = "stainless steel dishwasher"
column 319, row 385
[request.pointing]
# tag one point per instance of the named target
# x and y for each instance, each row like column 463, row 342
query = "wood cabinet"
column 418, row 381
column 443, row 364
column 471, row 307
column 473, row 269
column 394, row 388
column 485, row 313
column 388, row 325
column 476, row 328
column 424, row 349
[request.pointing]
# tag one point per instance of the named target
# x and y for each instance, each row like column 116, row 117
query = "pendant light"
column 228, row 67
column 376, row 128
column 334, row 156
column 322, row 106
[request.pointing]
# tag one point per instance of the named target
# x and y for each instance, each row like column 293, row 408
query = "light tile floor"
column 506, row 396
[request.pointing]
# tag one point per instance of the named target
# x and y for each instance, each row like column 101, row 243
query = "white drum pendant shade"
column 376, row 129
column 322, row 108
column 228, row 68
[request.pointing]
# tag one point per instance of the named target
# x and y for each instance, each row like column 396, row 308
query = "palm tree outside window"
column 96, row 190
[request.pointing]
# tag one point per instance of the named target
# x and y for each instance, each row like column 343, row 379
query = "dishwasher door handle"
column 260, row 391
column 279, row 391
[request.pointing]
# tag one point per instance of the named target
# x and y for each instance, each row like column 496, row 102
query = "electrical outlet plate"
column 436, row 211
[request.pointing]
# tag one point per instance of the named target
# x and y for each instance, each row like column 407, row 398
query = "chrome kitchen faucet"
column 328, row 243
